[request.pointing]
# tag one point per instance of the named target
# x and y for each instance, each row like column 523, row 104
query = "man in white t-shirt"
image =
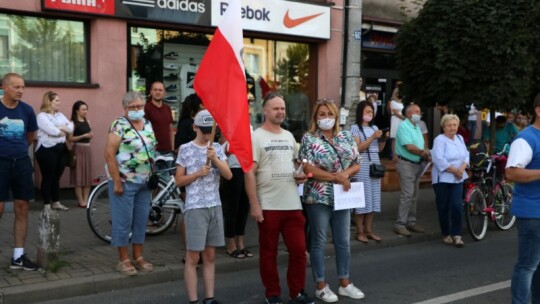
column 275, row 204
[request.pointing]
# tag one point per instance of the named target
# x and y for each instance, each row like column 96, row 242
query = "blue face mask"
column 136, row 115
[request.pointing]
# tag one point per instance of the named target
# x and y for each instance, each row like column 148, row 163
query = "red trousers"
column 290, row 224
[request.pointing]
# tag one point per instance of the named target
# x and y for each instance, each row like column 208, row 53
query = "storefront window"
column 173, row 57
column 43, row 49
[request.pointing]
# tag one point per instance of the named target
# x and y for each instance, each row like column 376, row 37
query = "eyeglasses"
column 135, row 107
column 324, row 101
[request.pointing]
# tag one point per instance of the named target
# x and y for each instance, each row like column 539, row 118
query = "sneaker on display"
column 23, row 263
column 170, row 66
column 171, row 76
column 171, row 99
column 171, row 55
column 171, row 88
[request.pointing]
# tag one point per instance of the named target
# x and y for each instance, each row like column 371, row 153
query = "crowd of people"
column 210, row 177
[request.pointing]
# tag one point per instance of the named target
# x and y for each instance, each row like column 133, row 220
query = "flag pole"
column 212, row 135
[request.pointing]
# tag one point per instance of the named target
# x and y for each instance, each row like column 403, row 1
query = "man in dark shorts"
column 18, row 128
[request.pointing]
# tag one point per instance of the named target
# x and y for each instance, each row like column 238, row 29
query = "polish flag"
column 220, row 82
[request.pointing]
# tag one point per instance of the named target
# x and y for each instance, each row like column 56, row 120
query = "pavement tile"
column 90, row 262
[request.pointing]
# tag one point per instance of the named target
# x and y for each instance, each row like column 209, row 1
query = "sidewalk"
column 88, row 264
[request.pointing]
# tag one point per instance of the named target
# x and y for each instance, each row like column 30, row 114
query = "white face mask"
column 416, row 118
column 326, row 124
column 368, row 118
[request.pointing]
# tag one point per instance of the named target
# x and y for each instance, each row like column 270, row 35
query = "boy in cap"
column 203, row 217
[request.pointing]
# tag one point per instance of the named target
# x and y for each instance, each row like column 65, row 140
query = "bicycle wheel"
column 475, row 216
column 161, row 217
column 98, row 213
column 504, row 219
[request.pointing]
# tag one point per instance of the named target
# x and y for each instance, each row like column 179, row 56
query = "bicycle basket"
column 478, row 150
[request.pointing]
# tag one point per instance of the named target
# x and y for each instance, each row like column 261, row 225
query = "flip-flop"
column 374, row 237
column 236, row 254
column 361, row 237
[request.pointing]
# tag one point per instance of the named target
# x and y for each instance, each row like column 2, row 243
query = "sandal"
column 126, row 268
column 360, row 236
column 246, row 253
column 372, row 236
column 236, row 254
column 143, row 265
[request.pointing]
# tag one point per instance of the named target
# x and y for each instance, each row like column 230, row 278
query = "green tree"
column 293, row 70
column 461, row 51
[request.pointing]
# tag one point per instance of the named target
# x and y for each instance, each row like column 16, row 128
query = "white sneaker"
column 326, row 294
column 351, row 291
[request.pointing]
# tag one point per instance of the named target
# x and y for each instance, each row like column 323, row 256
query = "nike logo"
column 294, row 22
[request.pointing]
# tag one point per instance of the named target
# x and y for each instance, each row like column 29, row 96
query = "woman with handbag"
column 129, row 151
column 370, row 141
column 332, row 158
column 51, row 151
column 81, row 173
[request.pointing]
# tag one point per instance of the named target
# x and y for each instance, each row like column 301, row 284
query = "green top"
column 409, row 134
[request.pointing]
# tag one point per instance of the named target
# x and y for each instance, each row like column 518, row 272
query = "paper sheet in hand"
column 354, row 198
column 428, row 164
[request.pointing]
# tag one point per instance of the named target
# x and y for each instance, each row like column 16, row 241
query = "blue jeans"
column 526, row 276
column 320, row 217
column 449, row 198
column 129, row 213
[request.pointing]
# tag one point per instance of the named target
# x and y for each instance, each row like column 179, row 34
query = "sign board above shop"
column 282, row 17
column 276, row 16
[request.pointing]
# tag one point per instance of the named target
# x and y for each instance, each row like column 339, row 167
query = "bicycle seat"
column 164, row 158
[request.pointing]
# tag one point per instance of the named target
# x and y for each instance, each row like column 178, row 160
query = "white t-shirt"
column 204, row 191
column 275, row 155
column 522, row 158
column 395, row 121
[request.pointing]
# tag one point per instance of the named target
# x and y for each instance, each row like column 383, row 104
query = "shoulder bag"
column 153, row 179
column 375, row 170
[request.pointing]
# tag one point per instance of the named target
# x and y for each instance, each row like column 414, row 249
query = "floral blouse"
column 320, row 153
column 131, row 156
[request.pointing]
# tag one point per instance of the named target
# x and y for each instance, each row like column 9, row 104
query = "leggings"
column 52, row 162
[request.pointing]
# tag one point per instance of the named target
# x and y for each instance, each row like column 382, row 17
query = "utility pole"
column 352, row 41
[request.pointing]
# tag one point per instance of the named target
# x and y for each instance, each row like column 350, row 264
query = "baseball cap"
column 204, row 121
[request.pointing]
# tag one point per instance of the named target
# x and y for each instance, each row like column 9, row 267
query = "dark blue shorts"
column 16, row 176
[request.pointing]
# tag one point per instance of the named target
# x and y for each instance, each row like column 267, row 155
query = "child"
column 203, row 217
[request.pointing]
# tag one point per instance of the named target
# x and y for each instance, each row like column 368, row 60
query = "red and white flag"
column 221, row 84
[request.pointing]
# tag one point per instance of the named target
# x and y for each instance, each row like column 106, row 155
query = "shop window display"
column 43, row 49
column 173, row 57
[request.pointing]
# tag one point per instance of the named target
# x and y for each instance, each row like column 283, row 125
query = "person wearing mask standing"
column 410, row 150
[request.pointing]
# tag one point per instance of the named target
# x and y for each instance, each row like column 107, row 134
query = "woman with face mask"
column 129, row 151
column 367, row 135
column 332, row 158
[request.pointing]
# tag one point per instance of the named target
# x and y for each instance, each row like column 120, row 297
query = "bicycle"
column 165, row 206
column 488, row 196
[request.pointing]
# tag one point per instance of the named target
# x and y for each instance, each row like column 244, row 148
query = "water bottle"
column 300, row 169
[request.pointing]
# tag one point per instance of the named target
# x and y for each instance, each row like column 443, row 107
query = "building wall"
column 108, row 66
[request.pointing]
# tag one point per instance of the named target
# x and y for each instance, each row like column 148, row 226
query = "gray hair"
column 131, row 96
column 448, row 117
column 409, row 107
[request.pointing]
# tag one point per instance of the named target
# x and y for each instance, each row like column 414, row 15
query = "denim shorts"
column 16, row 177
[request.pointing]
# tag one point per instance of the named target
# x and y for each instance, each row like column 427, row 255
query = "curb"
column 60, row 289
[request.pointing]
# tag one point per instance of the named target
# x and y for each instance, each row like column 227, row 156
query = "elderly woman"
column 450, row 158
column 332, row 157
column 129, row 151
column 51, row 152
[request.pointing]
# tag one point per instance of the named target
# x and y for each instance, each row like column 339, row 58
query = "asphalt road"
column 426, row 273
